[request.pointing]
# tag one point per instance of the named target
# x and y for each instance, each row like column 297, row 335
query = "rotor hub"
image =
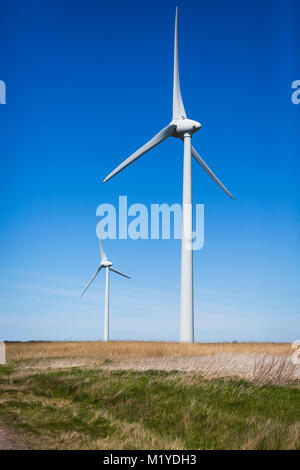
column 106, row 264
column 184, row 125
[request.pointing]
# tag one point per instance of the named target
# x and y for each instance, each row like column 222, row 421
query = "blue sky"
column 89, row 82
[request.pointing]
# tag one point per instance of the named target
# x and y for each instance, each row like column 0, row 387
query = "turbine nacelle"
column 105, row 264
column 184, row 125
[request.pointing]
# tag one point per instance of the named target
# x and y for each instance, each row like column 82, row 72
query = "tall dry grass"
column 138, row 349
column 276, row 370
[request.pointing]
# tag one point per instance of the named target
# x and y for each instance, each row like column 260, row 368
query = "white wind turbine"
column 183, row 128
column 108, row 267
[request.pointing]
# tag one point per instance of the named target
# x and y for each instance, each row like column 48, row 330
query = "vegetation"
column 96, row 407
column 113, row 349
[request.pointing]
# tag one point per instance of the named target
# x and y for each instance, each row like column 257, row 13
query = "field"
column 138, row 395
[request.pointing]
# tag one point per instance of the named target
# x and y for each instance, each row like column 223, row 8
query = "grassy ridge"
column 101, row 409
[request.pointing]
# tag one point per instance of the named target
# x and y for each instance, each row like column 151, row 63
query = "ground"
column 136, row 395
column 5, row 441
column 11, row 439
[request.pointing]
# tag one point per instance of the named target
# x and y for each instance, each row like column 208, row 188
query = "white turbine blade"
column 178, row 108
column 118, row 272
column 91, row 280
column 103, row 255
column 162, row 135
column 209, row 172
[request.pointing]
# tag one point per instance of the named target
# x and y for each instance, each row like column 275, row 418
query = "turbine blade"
column 91, row 280
column 178, row 108
column 209, row 172
column 162, row 135
column 103, row 255
column 118, row 272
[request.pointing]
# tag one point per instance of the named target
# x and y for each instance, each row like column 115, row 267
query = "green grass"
column 101, row 409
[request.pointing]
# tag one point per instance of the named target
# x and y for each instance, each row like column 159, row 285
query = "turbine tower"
column 182, row 128
column 105, row 263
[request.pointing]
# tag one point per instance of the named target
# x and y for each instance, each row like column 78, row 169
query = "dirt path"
column 10, row 440
column 5, row 442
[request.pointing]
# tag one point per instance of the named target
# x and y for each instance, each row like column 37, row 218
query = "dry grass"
column 257, row 362
column 274, row 370
column 137, row 349
column 259, row 368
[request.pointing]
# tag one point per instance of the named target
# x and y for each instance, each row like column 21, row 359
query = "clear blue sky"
column 90, row 81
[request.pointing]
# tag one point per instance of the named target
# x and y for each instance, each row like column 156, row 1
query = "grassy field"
column 55, row 404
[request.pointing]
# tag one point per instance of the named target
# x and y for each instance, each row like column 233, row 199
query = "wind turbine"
column 182, row 128
column 105, row 263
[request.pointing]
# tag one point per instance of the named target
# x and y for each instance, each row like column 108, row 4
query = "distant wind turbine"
column 108, row 267
column 183, row 128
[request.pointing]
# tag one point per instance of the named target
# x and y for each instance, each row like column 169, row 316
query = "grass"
column 94, row 407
